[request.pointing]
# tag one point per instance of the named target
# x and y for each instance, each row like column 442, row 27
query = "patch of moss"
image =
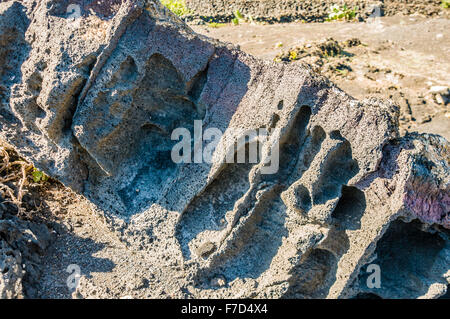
column 338, row 13
column 176, row 6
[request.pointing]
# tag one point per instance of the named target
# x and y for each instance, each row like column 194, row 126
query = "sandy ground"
column 415, row 50
column 401, row 59
column 108, row 268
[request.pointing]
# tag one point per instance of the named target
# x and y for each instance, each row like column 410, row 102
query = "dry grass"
column 27, row 194
column 15, row 178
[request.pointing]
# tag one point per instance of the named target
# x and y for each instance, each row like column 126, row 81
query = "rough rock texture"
column 93, row 102
column 21, row 244
column 309, row 10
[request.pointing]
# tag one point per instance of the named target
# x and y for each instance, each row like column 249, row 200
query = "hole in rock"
column 350, row 208
column 314, row 276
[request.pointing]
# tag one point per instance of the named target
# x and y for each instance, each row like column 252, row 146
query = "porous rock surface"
column 93, row 100
column 21, row 246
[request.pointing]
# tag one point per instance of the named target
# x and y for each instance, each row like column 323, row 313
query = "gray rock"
column 95, row 101
column 21, row 244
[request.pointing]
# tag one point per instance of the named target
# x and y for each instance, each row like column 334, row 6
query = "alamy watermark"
column 374, row 20
column 234, row 146
column 73, row 280
column 73, row 12
column 374, row 279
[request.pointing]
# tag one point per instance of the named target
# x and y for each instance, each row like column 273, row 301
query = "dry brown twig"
column 18, row 174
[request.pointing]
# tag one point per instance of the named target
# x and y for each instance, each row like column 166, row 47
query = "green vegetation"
column 445, row 4
column 238, row 16
column 216, row 25
column 39, row 176
column 176, row 6
column 293, row 55
column 338, row 13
